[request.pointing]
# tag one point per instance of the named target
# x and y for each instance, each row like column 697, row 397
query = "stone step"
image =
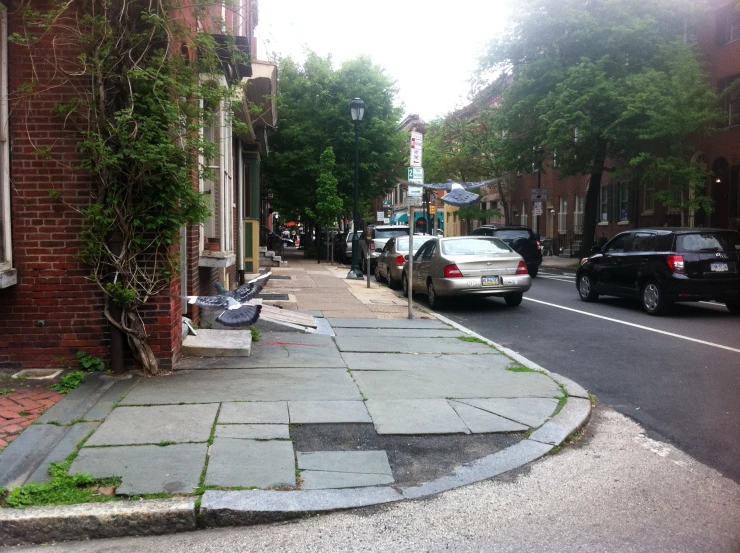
column 269, row 253
column 218, row 343
column 262, row 249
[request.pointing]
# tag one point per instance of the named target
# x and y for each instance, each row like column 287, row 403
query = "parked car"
column 660, row 266
column 380, row 235
column 345, row 244
column 392, row 258
column 521, row 239
column 467, row 265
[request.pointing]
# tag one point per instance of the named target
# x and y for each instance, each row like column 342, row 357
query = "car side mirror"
column 406, row 257
column 596, row 249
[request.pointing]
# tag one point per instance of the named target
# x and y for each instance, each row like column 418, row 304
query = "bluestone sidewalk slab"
column 253, row 431
column 68, row 444
column 386, row 323
column 361, row 462
column 151, row 425
column 221, row 508
column 279, row 358
column 245, row 385
column 316, row 412
column 454, row 384
column 481, row 422
column 78, row 402
column 23, row 455
column 254, row 412
column 572, row 388
column 248, row 463
column 293, row 338
column 411, row 362
column 145, row 468
column 572, row 417
column 405, row 332
column 96, row 520
column 218, row 343
column 415, row 416
column 317, row 480
column 112, row 396
column 526, row 410
column 400, row 344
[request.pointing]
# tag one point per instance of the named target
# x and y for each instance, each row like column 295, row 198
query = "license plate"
column 491, row 281
column 719, row 267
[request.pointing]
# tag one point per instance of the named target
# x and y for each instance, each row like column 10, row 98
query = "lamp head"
column 357, row 109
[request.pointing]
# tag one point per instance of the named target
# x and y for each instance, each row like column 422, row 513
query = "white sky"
column 430, row 47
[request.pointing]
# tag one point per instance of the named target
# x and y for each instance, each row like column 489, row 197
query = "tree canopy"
column 313, row 104
column 607, row 85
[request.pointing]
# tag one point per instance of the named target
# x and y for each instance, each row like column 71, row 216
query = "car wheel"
column 587, row 289
column 392, row 283
column 378, row 274
column 533, row 271
column 405, row 285
column 434, row 301
column 653, row 299
column 514, row 299
column 733, row 307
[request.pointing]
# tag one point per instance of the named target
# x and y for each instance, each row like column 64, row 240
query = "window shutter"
column 630, row 202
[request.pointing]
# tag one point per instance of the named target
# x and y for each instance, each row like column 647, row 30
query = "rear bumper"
column 682, row 288
column 472, row 286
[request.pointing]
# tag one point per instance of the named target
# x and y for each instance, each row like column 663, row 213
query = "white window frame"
column 648, row 197
column 603, row 204
column 623, row 195
column 578, row 215
column 525, row 217
column 6, row 252
column 563, row 215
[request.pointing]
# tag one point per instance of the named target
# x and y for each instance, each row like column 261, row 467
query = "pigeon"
column 236, row 312
column 459, row 197
column 449, row 184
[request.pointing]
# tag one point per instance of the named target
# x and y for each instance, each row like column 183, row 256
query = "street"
column 677, row 375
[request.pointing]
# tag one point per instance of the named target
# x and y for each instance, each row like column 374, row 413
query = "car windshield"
column 708, row 242
column 511, row 234
column 402, row 244
column 390, row 233
column 474, row 246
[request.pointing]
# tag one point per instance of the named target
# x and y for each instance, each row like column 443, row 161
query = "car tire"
column 392, row 283
column 733, row 307
column 404, row 285
column 434, row 301
column 513, row 299
column 378, row 275
column 587, row 288
column 533, row 271
column 653, row 299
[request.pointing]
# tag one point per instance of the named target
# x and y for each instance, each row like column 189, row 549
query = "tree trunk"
column 592, row 200
column 131, row 325
column 504, row 203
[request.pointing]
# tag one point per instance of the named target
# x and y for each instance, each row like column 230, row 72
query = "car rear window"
column 512, row 234
column 474, row 246
column 708, row 242
column 402, row 244
column 390, row 233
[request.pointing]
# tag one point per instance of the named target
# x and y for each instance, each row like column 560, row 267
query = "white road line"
column 728, row 348
column 547, row 277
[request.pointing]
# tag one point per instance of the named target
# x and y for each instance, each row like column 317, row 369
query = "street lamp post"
column 356, row 111
column 538, row 152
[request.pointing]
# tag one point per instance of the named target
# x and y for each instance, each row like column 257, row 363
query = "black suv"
column 520, row 239
column 664, row 265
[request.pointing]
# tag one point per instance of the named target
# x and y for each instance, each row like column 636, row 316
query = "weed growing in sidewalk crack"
column 524, row 370
column 68, row 382
column 6, row 391
column 255, row 333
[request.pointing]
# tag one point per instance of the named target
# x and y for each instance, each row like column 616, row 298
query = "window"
column 624, row 196
column 563, row 215
column 525, row 217
column 7, row 275
column 578, row 213
column 619, row 243
column 604, row 204
column 648, row 197
column 732, row 100
column 644, row 242
column 728, row 25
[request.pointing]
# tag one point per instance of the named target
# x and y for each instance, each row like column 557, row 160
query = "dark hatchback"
column 520, row 239
column 665, row 265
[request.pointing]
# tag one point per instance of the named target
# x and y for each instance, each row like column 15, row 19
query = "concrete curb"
column 246, row 507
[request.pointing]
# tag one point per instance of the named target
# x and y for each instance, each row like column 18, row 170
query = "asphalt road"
column 678, row 375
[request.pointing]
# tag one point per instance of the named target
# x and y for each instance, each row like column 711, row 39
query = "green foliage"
column 6, row 391
column 255, row 333
column 69, row 382
column 314, row 114
column 328, row 202
column 90, row 363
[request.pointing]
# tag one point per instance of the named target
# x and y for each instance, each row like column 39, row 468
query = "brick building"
column 49, row 310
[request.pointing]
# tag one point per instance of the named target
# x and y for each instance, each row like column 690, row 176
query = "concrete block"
column 218, row 343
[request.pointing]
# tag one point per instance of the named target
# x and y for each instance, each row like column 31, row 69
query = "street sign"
column 537, row 208
column 416, row 181
column 416, row 173
column 379, row 215
column 415, row 201
column 415, row 159
column 415, row 152
column 538, row 194
column 386, row 221
column 414, row 192
column 416, row 140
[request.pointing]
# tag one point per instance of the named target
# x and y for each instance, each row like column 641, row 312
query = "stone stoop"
column 218, row 343
column 269, row 259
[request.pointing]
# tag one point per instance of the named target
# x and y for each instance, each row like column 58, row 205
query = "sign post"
column 409, row 278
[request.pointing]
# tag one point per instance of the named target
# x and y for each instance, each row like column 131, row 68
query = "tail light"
column 539, row 244
column 372, row 246
column 675, row 263
column 400, row 260
column 522, row 268
column 451, row 271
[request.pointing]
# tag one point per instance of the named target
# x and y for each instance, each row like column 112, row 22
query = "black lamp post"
column 538, row 152
column 356, row 111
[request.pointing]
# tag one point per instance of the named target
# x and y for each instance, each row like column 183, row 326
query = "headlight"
column 583, row 260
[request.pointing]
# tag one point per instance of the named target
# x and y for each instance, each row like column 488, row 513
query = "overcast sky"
column 430, row 47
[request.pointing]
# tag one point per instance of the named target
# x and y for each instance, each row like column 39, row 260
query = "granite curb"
column 244, row 507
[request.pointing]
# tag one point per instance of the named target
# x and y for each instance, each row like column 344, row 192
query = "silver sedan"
column 391, row 260
column 467, row 265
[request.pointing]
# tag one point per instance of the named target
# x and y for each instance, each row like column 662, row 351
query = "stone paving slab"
column 526, row 410
column 248, row 463
column 405, row 332
column 151, row 425
column 68, row 444
column 387, row 323
column 411, row 362
column 253, row 431
column 317, row 480
column 481, row 422
column 111, row 397
column 361, row 462
column 415, row 416
column 293, row 338
column 21, row 456
column 317, row 412
column 454, row 384
column 254, row 412
column 400, row 344
column 245, row 385
column 276, row 358
column 145, row 468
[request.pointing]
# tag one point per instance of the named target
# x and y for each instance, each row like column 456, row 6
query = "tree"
column 600, row 83
column 313, row 104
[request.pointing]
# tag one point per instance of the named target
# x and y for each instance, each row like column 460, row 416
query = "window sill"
column 208, row 258
column 8, row 278
column 651, row 212
column 623, row 222
column 603, row 224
